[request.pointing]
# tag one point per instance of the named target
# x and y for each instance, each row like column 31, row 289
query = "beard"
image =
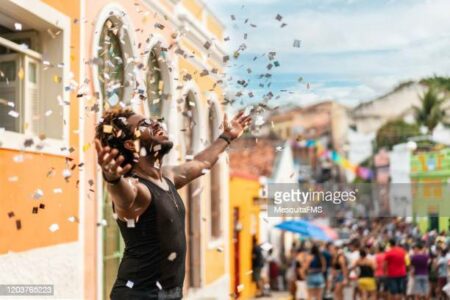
column 166, row 146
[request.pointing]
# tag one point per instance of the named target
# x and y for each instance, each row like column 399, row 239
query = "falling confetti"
column 143, row 152
column 13, row 179
column 219, row 249
column 18, row 224
column 297, row 43
column 72, row 219
column 103, row 223
column 172, row 256
column 107, row 128
column 54, row 227
column 10, row 214
column 130, row 284
column 130, row 223
column 240, row 287
column 159, row 285
column 13, row 114
column 38, row 194
column 18, row 26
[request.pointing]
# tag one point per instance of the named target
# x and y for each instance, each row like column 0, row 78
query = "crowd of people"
column 381, row 259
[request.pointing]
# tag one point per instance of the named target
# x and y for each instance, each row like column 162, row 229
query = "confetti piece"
column 48, row 113
column 159, row 285
column 205, row 171
column 35, row 210
column 157, row 147
column 142, row 152
column 54, row 227
column 72, row 219
column 240, row 288
column 297, row 43
column 18, row 224
column 172, row 256
column 113, row 99
column 13, row 114
column 13, row 179
column 103, row 223
column 278, row 17
column 207, row 45
column 107, row 128
column 130, row 284
column 219, row 249
column 18, row 158
column 86, row 147
column 57, row 79
column 18, row 26
column 42, row 206
column 38, row 194
column 10, row 214
column 66, row 173
column 130, row 223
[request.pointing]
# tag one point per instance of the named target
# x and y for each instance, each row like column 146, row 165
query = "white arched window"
column 111, row 68
column 215, row 192
column 155, row 82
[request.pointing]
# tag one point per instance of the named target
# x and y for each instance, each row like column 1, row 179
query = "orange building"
column 62, row 63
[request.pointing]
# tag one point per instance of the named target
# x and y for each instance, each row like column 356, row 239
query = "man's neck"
column 149, row 168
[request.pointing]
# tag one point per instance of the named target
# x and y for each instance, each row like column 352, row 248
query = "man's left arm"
column 205, row 160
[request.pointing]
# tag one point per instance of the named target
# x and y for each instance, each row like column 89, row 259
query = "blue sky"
column 351, row 50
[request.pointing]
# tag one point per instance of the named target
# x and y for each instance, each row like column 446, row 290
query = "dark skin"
column 131, row 198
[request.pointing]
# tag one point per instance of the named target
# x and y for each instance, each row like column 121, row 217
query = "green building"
column 430, row 180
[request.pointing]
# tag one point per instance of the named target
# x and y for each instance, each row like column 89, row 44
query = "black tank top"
column 155, row 249
column 365, row 271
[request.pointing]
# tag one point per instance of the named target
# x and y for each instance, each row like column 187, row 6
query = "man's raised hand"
column 236, row 127
column 110, row 161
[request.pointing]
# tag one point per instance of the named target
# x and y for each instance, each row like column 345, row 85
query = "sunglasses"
column 145, row 123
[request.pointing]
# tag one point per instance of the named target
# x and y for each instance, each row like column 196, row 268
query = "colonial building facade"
column 62, row 64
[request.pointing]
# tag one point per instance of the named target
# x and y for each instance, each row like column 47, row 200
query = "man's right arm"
column 130, row 197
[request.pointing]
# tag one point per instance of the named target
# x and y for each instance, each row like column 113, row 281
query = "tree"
column 395, row 132
column 430, row 112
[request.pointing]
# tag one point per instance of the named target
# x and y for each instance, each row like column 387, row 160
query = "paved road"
column 277, row 296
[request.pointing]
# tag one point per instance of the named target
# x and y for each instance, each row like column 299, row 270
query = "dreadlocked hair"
column 113, row 130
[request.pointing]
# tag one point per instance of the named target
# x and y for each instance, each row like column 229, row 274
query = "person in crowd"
column 442, row 272
column 380, row 274
column 274, row 270
column 366, row 278
column 301, row 290
column 433, row 271
column 352, row 257
column 315, row 266
column 339, row 272
column 257, row 265
column 419, row 264
column 327, row 255
column 395, row 266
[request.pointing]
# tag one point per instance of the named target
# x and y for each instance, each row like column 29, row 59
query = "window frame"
column 12, row 140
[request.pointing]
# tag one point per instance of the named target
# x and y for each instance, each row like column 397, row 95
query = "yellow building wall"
column 214, row 27
column 242, row 193
column 194, row 7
